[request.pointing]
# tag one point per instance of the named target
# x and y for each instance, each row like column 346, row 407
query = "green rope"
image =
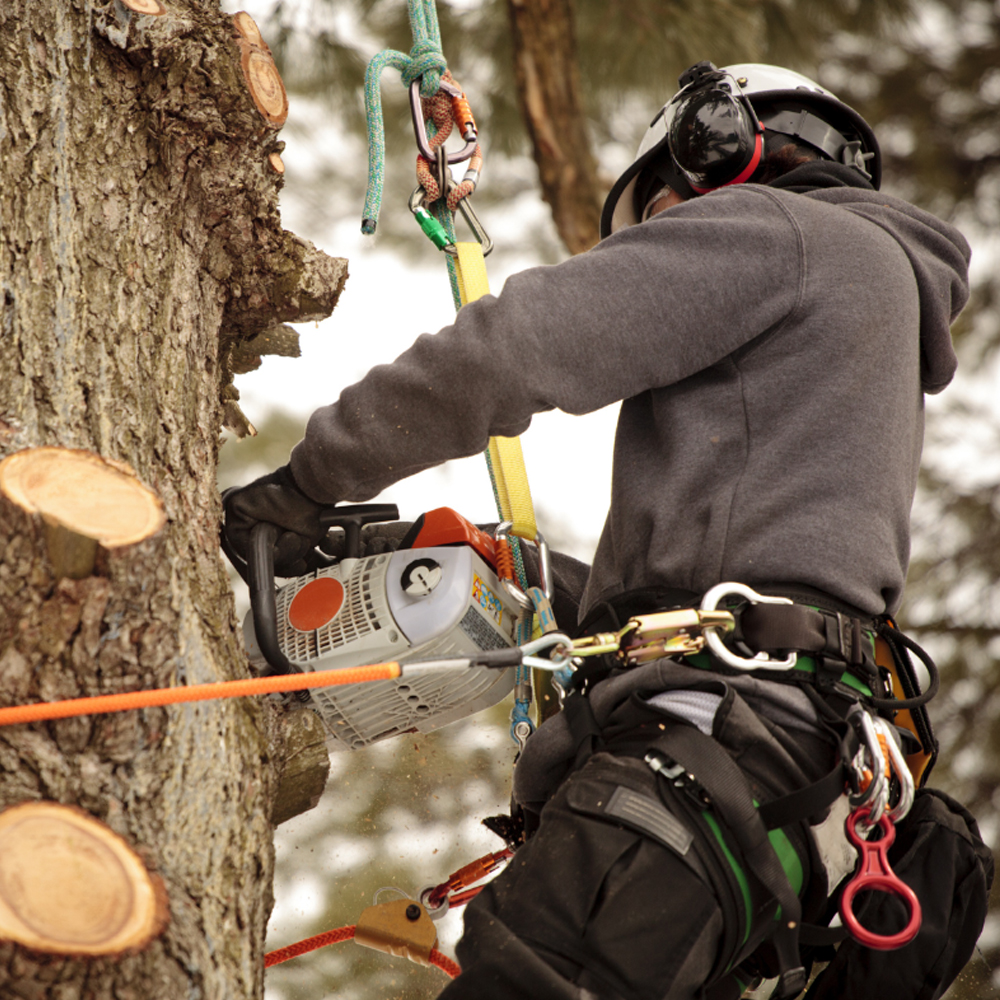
column 426, row 61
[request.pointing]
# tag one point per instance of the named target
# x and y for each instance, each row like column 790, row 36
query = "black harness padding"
column 583, row 727
column 811, row 801
column 730, row 794
column 828, row 635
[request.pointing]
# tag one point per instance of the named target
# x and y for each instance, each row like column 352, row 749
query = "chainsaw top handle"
column 260, row 569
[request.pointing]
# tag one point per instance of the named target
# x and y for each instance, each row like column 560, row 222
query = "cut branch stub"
column 69, row 885
column 84, row 502
column 152, row 7
column 262, row 77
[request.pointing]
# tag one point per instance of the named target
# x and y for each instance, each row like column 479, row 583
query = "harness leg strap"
column 727, row 786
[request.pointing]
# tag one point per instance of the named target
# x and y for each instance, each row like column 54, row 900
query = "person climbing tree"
column 770, row 323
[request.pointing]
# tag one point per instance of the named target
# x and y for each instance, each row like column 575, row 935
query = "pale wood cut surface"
column 80, row 491
column 152, row 7
column 70, row 885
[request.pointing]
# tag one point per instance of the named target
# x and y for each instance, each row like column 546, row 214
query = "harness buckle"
column 762, row 660
column 678, row 776
column 671, row 633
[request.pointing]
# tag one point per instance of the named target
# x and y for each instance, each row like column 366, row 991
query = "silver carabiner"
column 876, row 795
column 714, row 641
column 907, row 789
column 557, row 641
column 482, row 237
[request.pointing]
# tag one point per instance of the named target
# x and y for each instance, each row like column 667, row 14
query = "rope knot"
column 427, row 61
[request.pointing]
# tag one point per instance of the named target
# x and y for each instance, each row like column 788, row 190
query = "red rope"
column 441, row 961
column 309, row 944
column 445, row 964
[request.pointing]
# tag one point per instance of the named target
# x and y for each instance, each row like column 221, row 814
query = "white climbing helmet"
column 709, row 134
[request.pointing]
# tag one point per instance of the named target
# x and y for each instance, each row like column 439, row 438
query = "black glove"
column 276, row 499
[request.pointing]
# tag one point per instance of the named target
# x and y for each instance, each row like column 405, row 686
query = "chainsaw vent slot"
column 359, row 616
column 363, row 714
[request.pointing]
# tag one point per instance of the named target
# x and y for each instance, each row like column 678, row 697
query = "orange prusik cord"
column 309, row 944
column 101, row 704
column 441, row 961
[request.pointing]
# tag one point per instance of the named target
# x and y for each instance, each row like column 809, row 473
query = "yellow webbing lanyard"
column 505, row 453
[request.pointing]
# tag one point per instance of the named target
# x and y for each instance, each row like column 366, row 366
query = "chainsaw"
column 436, row 596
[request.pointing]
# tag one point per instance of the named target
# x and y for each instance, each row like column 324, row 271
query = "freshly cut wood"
column 247, row 27
column 262, row 77
column 69, row 885
column 276, row 163
column 266, row 88
column 152, row 7
column 83, row 493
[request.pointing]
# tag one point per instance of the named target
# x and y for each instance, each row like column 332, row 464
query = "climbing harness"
column 829, row 654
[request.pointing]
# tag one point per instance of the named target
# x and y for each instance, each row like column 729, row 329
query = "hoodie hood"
column 938, row 253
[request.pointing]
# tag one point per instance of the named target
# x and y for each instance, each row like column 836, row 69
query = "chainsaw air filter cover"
column 413, row 604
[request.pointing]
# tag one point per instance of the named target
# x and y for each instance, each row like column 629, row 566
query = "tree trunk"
column 140, row 245
column 548, row 89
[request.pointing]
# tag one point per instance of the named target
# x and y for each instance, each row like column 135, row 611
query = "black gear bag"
column 939, row 853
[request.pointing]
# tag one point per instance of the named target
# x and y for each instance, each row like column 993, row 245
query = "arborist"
column 770, row 323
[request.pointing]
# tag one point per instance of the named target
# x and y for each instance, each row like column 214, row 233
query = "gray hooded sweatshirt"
column 771, row 346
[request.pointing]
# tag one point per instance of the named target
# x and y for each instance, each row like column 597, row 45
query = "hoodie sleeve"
column 647, row 307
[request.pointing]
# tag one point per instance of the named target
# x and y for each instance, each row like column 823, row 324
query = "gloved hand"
column 275, row 498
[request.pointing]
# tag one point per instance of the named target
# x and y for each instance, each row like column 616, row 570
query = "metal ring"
column 714, row 641
column 437, row 912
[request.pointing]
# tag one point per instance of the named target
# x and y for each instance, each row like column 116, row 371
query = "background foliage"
column 927, row 74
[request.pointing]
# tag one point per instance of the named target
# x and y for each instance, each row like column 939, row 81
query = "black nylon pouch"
column 630, row 905
column 939, row 853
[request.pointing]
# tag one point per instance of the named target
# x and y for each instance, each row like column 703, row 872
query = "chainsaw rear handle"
column 260, row 570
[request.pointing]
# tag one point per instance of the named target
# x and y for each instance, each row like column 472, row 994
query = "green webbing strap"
column 425, row 61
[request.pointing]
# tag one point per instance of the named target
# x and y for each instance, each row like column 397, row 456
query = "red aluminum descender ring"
column 874, row 873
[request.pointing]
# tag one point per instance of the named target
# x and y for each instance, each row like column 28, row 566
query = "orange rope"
column 443, row 962
column 196, row 692
column 309, row 944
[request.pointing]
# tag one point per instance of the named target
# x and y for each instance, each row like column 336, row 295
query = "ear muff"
column 715, row 139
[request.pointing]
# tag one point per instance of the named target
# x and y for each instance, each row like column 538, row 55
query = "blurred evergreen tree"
column 933, row 91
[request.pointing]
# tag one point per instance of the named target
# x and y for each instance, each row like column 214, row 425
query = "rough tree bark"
column 548, row 88
column 140, row 247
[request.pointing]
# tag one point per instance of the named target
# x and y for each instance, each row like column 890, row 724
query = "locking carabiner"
column 875, row 796
column 463, row 117
column 505, row 565
column 437, row 234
